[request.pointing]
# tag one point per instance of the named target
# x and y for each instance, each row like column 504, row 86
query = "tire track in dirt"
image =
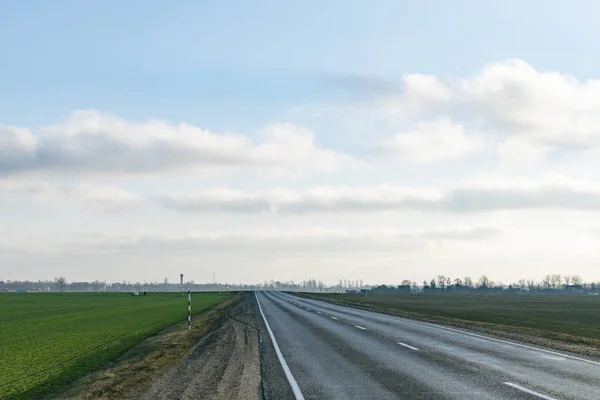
column 225, row 364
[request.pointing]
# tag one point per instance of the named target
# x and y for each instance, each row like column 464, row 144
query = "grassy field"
column 563, row 317
column 49, row 339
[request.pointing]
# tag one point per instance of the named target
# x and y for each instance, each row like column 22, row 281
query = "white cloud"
column 316, row 200
column 99, row 198
column 523, row 194
column 464, row 233
column 492, row 195
column 305, row 239
column 217, row 200
column 433, row 141
column 89, row 141
column 348, row 199
column 514, row 99
column 17, row 147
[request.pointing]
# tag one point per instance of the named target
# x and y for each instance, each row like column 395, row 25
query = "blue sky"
column 216, row 63
column 400, row 129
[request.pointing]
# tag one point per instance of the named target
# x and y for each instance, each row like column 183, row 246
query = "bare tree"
column 468, row 282
column 576, row 280
column 406, row 282
column 458, row 282
column 567, row 280
column 441, row 281
column 484, row 281
column 61, row 281
column 414, row 287
column 556, row 280
column 522, row 284
column 547, row 282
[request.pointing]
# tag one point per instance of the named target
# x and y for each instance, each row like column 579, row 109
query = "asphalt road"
column 336, row 352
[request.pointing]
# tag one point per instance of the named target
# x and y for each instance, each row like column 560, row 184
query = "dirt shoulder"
column 133, row 372
column 583, row 347
column 228, row 355
column 224, row 364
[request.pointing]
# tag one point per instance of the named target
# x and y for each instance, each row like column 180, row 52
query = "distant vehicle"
column 136, row 293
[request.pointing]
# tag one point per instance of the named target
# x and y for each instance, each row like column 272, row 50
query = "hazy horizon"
column 379, row 141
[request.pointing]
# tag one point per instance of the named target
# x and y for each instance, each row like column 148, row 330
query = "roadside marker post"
column 189, row 309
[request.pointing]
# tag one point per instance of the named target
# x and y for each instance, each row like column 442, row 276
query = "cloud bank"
column 507, row 195
column 92, row 142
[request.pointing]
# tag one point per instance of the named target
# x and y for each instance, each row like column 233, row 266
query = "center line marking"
column 334, row 318
column 408, row 346
column 360, row 327
column 531, row 392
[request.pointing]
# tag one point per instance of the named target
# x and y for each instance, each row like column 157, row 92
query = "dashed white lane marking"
column 531, row 392
column 360, row 327
column 318, row 312
column 307, row 308
column 408, row 346
column 334, row 318
column 288, row 374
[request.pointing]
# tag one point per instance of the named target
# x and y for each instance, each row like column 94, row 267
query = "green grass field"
column 557, row 316
column 50, row 339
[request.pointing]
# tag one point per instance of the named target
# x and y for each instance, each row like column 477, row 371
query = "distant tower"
column 181, row 280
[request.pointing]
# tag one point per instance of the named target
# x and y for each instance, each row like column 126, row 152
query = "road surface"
column 336, row 352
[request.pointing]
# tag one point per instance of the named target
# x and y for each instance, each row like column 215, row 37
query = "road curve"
column 336, row 352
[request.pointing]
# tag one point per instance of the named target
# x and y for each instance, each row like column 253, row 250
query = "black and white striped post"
column 189, row 309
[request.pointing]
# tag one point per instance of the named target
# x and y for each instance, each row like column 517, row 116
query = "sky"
column 375, row 141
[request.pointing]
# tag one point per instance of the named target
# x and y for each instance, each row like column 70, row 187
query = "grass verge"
column 129, row 375
column 48, row 340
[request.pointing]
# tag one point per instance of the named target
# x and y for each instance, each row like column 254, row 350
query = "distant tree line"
column 551, row 283
column 61, row 284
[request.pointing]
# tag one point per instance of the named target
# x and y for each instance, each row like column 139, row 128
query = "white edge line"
column 507, row 342
column 408, row 346
column 360, row 327
column 334, row 318
column 467, row 333
column 288, row 374
column 531, row 392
